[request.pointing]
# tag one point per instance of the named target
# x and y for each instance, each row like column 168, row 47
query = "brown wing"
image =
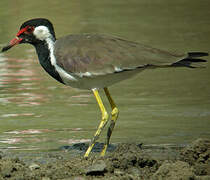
column 101, row 54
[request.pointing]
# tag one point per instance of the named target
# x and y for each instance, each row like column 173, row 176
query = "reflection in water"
column 160, row 106
column 28, row 139
column 80, row 100
column 29, row 131
column 17, row 78
column 16, row 115
column 11, row 141
column 74, row 141
column 20, row 87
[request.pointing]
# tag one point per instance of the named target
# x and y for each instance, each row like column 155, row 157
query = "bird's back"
column 97, row 54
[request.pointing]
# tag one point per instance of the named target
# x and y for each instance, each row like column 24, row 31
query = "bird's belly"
column 101, row 81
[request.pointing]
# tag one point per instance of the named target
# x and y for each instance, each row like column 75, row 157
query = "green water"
column 162, row 106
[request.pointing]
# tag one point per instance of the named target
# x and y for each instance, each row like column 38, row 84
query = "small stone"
column 74, row 178
column 98, row 168
column 118, row 172
column 34, row 166
column 135, row 171
column 45, row 178
column 78, row 178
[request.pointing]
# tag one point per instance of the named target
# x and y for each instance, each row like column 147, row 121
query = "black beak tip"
column 6, row 48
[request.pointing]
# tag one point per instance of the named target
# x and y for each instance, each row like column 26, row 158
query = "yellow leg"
column 102, row 123
column 114, row 113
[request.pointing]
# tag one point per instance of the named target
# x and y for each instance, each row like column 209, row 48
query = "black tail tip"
column 193, row 60
column 197, row 54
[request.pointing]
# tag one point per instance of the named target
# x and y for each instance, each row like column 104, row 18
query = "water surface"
column 162, row 106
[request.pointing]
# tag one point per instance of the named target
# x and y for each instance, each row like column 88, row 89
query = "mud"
column 123, row 161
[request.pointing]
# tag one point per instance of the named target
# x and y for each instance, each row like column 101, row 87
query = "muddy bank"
column 123, row 161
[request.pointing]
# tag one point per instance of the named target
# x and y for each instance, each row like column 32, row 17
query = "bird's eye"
column 30, row 29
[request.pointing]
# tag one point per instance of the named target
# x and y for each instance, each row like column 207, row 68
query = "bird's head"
column 33, row 31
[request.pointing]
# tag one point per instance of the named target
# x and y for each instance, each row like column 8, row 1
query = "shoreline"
column 123, row 161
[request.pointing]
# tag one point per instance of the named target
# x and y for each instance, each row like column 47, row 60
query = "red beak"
column 12, row 43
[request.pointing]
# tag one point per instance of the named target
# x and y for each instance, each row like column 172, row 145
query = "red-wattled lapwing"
column 93, row 61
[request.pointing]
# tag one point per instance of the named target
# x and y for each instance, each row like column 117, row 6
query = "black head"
column 33, row 31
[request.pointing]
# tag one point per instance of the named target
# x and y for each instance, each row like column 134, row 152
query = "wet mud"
column 123, row 161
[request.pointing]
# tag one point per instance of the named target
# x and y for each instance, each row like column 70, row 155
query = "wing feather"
column 94, row 54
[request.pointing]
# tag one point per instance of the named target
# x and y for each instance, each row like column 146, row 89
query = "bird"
column 95, row 62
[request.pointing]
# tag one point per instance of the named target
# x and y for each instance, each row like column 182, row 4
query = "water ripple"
column 18, row 82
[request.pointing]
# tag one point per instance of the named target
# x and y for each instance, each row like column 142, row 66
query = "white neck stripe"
column 63, row 74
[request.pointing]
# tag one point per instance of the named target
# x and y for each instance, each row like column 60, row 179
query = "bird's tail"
column 193, row 60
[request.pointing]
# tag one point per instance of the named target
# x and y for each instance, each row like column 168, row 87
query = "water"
column 162, row 106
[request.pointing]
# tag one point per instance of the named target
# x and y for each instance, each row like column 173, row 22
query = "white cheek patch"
column 41, row 33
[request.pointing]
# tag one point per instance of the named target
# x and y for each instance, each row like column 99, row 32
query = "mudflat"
column 123, row 161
